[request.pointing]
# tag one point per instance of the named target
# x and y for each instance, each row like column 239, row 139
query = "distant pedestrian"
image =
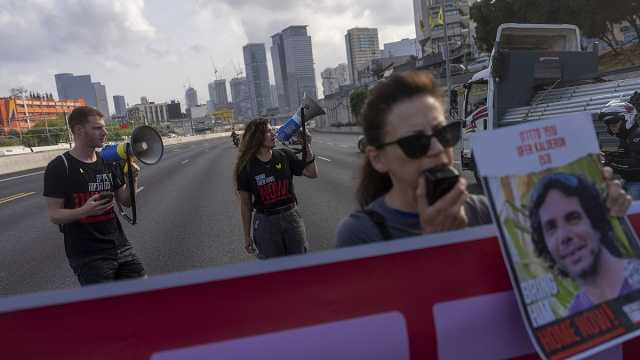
column 264, row 180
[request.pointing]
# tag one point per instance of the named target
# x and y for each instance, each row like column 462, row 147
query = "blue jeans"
column 633, row 189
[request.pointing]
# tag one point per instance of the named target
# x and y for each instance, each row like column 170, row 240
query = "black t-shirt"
column 76, row 182
column 627, row 164
column 271, row 183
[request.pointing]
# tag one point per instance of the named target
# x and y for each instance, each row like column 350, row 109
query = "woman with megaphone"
column 264, row 181
column 407, row 185
column 80, row 188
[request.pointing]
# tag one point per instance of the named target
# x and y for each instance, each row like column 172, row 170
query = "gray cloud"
column 197, row 49
column 33, row 29
column 127, row 43
column 267, row 17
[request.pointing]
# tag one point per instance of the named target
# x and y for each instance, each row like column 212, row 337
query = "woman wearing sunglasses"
column 405, row 128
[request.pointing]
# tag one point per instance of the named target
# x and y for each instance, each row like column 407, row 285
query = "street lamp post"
column 446, row 49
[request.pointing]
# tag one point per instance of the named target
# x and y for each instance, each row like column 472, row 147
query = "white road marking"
column 323, row 158
column 185, row 161
column 21, row 176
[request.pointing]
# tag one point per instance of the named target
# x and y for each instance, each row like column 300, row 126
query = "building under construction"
column 20, row 114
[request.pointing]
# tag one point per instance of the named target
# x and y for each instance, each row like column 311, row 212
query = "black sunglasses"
column 418, row 145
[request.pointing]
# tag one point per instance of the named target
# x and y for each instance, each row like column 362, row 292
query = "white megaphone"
column 307, row 111
column 145, row 145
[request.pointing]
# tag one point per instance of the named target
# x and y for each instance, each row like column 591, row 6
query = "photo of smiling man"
column 572, row 232
column 568, row 243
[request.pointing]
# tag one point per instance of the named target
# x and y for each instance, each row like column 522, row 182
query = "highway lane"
column 188, row 213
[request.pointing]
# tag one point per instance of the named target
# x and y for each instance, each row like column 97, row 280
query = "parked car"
column 362, row 143
column 478, row 64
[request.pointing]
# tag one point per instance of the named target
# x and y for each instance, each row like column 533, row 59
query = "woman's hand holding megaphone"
column 299, row 137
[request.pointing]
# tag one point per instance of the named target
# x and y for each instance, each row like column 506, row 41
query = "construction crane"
column 215, row 69
column 238, row 70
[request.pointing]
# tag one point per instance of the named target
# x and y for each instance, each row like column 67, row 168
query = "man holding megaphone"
column 81, row 188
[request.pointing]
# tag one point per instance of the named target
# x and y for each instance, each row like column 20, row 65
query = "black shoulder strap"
column 66, row 166
column 66, row 163
column 378, row 220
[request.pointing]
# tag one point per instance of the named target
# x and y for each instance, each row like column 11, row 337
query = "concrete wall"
column 22, row 162
column 15, row 163
column 339, row 130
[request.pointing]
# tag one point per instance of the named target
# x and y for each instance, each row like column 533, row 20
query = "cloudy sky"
column 154, row 48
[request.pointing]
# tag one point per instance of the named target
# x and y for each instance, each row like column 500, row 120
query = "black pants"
column 123, row 264
column 279, row 235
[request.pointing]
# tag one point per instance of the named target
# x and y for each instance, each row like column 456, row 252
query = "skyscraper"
column 292, row 57
column 333, row 78
column 72, row 87
column 255, row 64
column 212, row 92
column 274, row 95
column 220, row 88
column 101, row 99
column 403, row 47
column 362, row 47
column 191, row 97
column 429, row 22
column 173, row 110
column 241, row 99
column 119, row 105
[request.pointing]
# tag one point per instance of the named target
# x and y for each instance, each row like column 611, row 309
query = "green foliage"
column 594, row 17
column 357, row 99
column 115, row 134
column 44, row 133
column 9, row 141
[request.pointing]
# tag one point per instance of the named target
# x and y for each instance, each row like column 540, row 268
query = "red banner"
column 449, row 292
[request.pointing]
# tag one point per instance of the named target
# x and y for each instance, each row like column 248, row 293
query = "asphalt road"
column 188, row 213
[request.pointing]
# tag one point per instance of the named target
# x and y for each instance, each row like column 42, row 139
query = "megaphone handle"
column 304, row 135
column 132, row 191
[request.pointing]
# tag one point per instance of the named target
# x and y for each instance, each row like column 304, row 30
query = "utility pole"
column 66, row 125
column 446, row 49
column 24, row 103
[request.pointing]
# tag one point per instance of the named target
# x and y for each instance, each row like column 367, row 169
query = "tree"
column 49, row 132
column 594, row 17
column 356, row 100
column 489, row 14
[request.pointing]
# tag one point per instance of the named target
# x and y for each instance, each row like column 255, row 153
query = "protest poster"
column 574, row 268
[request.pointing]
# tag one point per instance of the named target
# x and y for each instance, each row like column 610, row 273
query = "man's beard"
column 592, row 269
column 94, row 145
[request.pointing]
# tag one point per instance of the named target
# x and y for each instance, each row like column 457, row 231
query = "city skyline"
column 140, row 52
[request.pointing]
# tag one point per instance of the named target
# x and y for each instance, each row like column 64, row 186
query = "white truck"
column 537, row 71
